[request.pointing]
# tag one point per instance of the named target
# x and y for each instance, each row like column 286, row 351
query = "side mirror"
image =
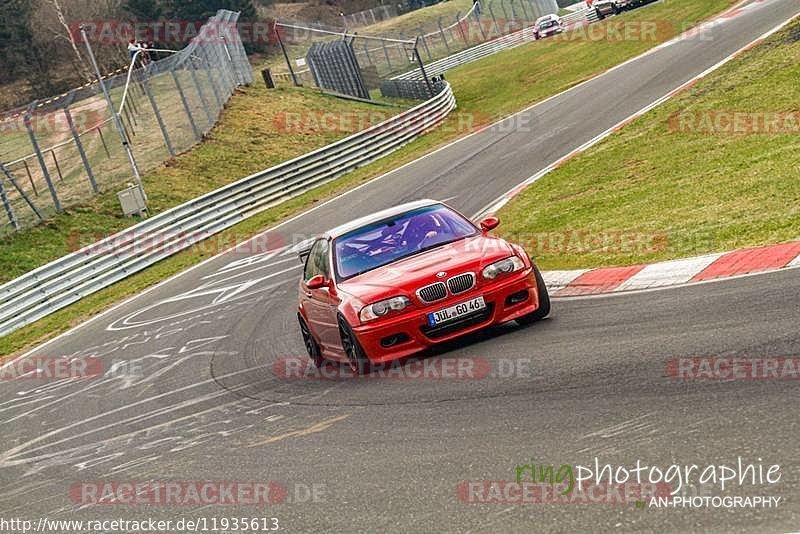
column 489, row 223
column 317, row 282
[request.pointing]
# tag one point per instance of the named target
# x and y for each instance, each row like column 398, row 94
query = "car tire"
column 359, row 363
column 312, row 347
column 544, row 302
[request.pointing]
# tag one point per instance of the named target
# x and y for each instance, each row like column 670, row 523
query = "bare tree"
column 80, row 62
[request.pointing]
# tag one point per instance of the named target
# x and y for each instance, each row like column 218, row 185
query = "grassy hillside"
column 716, row 168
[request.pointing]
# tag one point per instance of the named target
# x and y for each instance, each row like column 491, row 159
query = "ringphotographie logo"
column 641, row 484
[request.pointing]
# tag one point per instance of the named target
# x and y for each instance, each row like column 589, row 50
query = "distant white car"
column 547, row 26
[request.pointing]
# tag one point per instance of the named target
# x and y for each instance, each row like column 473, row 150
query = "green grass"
column 485, row 90
column 697, row 191
column 410, row 23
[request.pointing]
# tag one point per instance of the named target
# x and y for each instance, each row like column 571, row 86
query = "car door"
column 320, row 304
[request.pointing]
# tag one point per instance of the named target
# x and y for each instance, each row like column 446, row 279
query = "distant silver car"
column 547, row 26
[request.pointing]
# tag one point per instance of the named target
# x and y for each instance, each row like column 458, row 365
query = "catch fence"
column 58, row 152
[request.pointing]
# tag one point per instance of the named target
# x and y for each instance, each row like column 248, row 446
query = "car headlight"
column 508, row 265
column 381, row 308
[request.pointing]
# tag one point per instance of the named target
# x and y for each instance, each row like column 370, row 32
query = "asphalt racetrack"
column 207, row 396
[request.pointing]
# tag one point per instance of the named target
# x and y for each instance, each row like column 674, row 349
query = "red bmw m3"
column 399, row 281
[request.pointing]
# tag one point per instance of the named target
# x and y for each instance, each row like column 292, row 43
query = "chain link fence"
column 59, row 152
column 383, row 57
column 370, row 16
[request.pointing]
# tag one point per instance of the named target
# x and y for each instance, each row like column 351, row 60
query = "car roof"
column 378, row 216
column 548, row 17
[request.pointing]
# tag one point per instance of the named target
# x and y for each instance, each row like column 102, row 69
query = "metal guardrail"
column 520, row 37
column 581, row 17
column 68, row 279
column 471, row 54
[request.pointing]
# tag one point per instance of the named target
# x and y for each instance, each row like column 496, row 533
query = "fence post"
column 366, row 51
column 76, row 136
column 513, row 13
column 386, row 53
column 477, row 14
column 524, row 11
column 30, row 178
column 494, row 19
column 234, row 71
column 441, row 31
column 103, row 140
column 424, row 43
column 211, row 78
column 505, row 13
column 21, row 191
column 58, row 167
column 197, row 135
column 201, row 94
column 161, row 125
column 286, row 55
column 461, row 29
column 40, row 157
column 422, row 69
column 226, row 67
column 535, row 10
column 7, row 205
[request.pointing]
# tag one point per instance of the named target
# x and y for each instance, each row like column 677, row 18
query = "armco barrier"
column 68, row 279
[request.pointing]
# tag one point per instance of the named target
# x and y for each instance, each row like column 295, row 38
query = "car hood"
column 404, row 277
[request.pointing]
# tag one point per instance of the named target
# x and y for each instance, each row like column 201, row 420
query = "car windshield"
column 384, row 242
column 548, row 24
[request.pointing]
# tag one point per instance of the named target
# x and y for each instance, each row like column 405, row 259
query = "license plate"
column 454, row 312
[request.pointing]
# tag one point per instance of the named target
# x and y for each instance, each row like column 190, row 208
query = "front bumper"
column 410, row 333
column 549, row 33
